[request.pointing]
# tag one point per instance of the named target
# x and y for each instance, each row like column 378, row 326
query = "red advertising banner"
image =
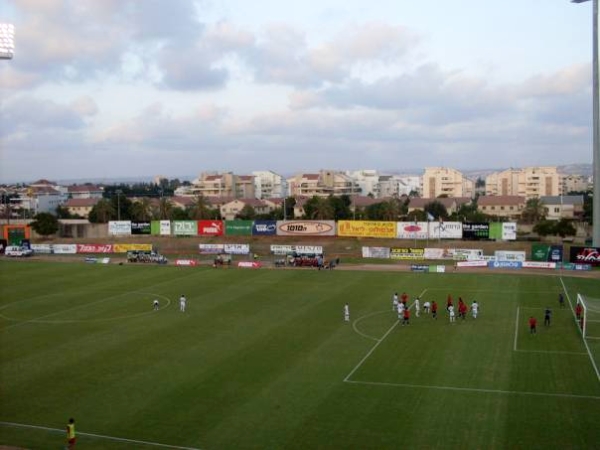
column 94, row 248
column 210, row 228
column 186, row 262
column 250, row 264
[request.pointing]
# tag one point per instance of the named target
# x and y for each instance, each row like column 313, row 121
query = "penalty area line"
column 100, row 436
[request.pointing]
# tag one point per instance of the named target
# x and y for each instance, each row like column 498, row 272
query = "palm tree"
column 165, row 208
column 102, row 212
column 534, row 211
column 200, row 209
column 322, row 209
column 142, row 210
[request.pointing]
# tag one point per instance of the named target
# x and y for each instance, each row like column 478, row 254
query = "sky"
column 102, row 89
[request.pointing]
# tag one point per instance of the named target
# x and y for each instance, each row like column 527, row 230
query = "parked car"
column 17, row 250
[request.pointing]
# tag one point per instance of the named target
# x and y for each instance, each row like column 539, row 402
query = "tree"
column 247, row 213
column 544, row 228
column 102, row 212
column 62, row 212
column 341, row 207
column 318, row 208
column 564, row 228
column 436, row 209
column 142, row 210
column 200, row 209
column 165, row 209
column 45, row 224
column 534, row 211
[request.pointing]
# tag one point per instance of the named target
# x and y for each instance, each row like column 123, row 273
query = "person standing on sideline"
column 182, row 302
column 434, row 309
column 474, row 309
column 532, row 325
column 426, row 306
column 406, row 317
column 71, row 434
column 451, row 313
column 547, row 316
column 578, row 310
column 395, row 302
column 561, row 300
column 156, row 305
column 346, row 313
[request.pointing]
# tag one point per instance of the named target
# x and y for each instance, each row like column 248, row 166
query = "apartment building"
column 574, row 183
column 268, row 184
column 563, row 206
column 323, row 184
column 530, row 182
column 445, row 181
column 221, row 185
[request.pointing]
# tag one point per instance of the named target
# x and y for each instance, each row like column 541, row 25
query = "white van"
column 17, row 250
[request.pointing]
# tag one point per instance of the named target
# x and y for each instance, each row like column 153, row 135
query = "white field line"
column 462, row 389
column 100, row 436
column 354, row 327
column 495, row 291
column 587, row 347
column 552, row 352
column 379, row 341
column 516, row 330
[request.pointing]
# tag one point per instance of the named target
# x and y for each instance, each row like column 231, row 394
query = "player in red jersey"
column 532, row 325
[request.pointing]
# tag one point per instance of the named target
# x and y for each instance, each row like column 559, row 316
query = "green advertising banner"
column 238, row 227
column 540, row 252
column 155, row 227
column 185, row 228
column 496, row 230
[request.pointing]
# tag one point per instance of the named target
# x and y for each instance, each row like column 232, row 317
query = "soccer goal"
column 589, row 318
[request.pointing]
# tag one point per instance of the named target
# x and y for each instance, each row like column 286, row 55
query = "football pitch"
column 263, row 359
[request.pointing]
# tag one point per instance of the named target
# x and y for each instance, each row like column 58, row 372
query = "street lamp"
column 596, row 131
column 119, row 192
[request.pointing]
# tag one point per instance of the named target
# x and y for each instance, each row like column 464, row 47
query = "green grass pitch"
column 262, row 359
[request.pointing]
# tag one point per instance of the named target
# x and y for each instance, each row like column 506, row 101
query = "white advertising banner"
column 445, row 230
column 376, row 252
column 471, row 264
column 306, row 228
column 41, row 248
column 64, row 249
column 119, row 228
column 237, row 249
column 211, row 249
column 412, row 230
column 539, row 265
column 464, row 254
column 505, row 255
column 165, row 228
column 435, row 253
column 509, row 231
column 299, row 249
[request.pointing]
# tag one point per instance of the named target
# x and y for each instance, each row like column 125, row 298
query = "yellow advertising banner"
column 363, row 228
column 124, row 248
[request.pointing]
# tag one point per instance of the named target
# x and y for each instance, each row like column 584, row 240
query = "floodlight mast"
column 7, row 40
column 596, row 130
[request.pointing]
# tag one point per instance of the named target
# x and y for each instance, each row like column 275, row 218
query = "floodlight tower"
column 596, row 130
column 7, row 40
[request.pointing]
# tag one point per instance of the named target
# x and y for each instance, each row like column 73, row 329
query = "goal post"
column 588, row 310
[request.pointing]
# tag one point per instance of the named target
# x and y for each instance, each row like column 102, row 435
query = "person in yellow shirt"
column 71, row 434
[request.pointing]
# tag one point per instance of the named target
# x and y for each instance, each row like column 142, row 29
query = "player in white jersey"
column 400, row 309
column 156, row 305
column 426, row 307
column 182, row 302
column 395, row 302
column 451, row 313
column 346, row 313
column 417, row 306
column 474, row 309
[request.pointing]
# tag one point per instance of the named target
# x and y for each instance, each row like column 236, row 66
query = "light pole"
column 596, row 130
column 119, row 192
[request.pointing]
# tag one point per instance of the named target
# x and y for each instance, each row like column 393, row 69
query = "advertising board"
column 64, row 249
column 445, row 230
column 140, row 228
column 407, row 253
column 185, row 228
column 298, row 249
column 237, row 249
column 505, row 264
column 419, row 268
column 306, row 228
column 185, row 262
column 238, row 227
column 505, row 255
column 249, row 264
column 479, row 263
column 210, row 227
column 474, row 231
column 124, row 248
column 119, row 228
column 94, row 248
column 463, row 254
column 585, row 255
column 376, row 252
column 539, row 265
column 264, row 228
column 211, row 249
column 363, row 228
column 41, row 248
column 412, row 230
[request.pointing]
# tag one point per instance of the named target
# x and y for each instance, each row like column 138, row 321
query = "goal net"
column 589, row 316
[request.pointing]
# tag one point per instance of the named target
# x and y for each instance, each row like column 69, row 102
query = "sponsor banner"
column 412, row 230
column 91, row 259
column 376, row 252
column 463, row 254
column 544, row 252
column 435, row 253
column 237, row 249
column 445, row 230
column 571, row 266
column 298, row 249
column 437, row 269
column 124, row 248
column 585, row 255
column 264, row 228
column 306, row 228
column 406, row 253
column 249, row 264
column 94, row 248
column 509, row 231
column 238, row 227
column 505, row 255
column 419, row 268
column 141, row 227
column 64, row 249
column 184, row 227
column 505, row 264
column 119, row 228
column 41, row 248
column 185, row 262
column 539, row 265
column 103, row 261
column 165, row 227
column 210, row 227
column 363, row 228
column 211, row 249
column 472, row 264
column 475, row 230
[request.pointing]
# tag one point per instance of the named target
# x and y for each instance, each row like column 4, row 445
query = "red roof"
column 84, row 188
column 500, row 200
column 81, row 202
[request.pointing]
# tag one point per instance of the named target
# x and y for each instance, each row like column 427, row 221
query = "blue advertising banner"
column 505, row 264
column 264, row 228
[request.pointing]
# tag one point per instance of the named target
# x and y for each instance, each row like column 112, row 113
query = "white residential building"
column 268, row 184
